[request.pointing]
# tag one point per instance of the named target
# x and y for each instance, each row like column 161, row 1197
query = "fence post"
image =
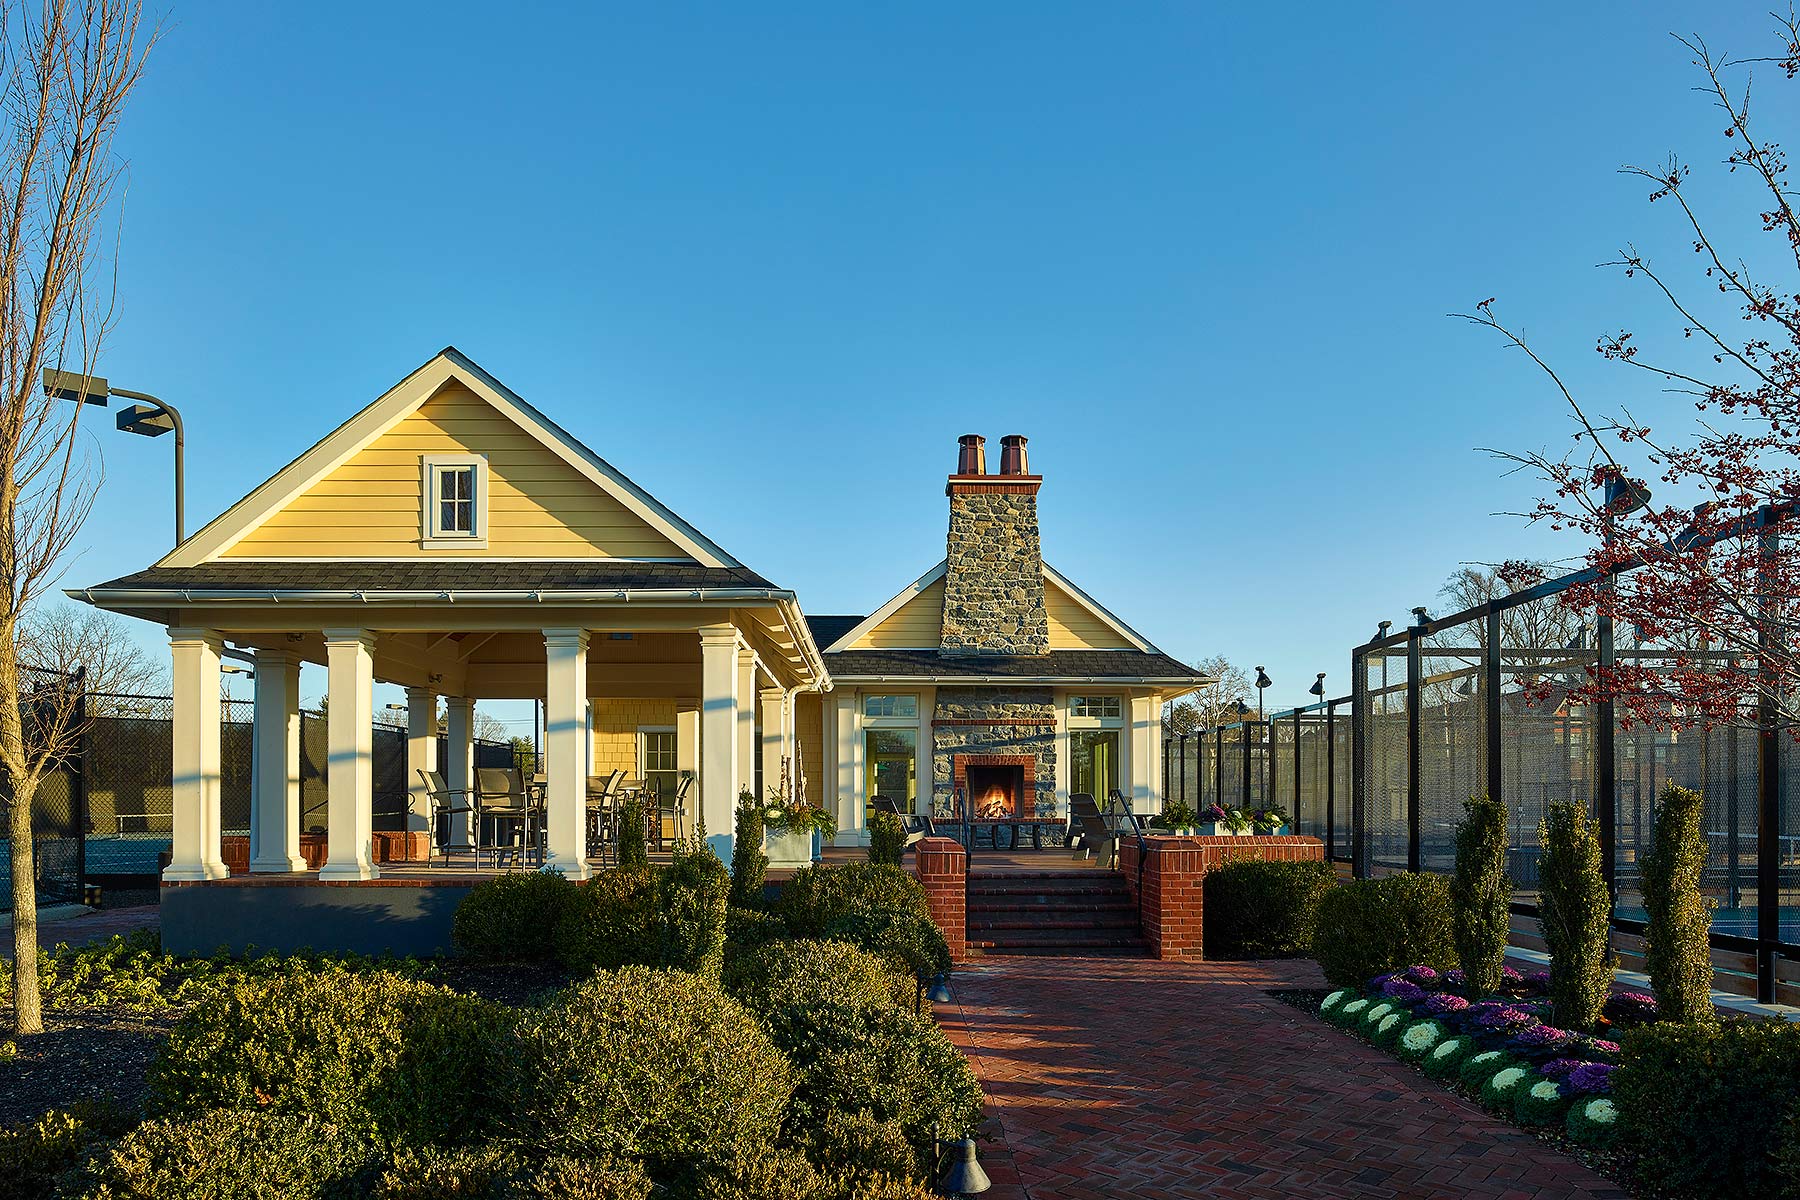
column 1330, row 780
column 1359, row 755
column 1606, row 760
column 78, row 797
column 1244, row 728
column 1490, row 687
column 1414, row 850
column 1296, row 770
column 1219, row 766
column 1768, row 768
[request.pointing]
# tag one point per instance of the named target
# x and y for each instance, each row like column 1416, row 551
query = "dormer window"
column 454, row 501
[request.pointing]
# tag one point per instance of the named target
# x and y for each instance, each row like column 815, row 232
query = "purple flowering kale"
column 1541, row 1037
column 1538, row 981
column 1510, row 975
column 1455, row 977
column 1500, row 1018
column 1591, row 1078
column 1403, row 991
column 1443, row 1003
column 1559, row 1068
column 1421, row 975
column 1630, row 1008
column 1379, row 982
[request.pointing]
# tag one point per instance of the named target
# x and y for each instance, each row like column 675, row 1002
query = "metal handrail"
column 1137, row 828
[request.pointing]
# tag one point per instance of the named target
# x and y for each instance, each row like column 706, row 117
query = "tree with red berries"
column 1701, row 579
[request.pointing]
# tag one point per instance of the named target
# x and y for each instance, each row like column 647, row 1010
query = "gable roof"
column 394, row 406
column 849, row 637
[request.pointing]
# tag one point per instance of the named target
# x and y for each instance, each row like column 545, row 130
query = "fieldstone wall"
column 994, row 721
column 994, row 591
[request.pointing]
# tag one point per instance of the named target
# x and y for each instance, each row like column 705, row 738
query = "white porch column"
column 687, row 739
column 850, row 801
column 719, row 762
column 421, row 755
column 459, row 762
column 565, row 751
column 350, row 762
column 194, row 815
column 746, row 717
column 773, row 703
column 275, row 765
column 1138, row 766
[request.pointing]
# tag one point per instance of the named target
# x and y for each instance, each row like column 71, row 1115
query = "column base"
column 195, row 872
column 348, row 872
column 291, row 865
column 574, row 872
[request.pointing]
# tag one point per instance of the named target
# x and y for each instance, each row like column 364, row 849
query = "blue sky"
column 771, row 260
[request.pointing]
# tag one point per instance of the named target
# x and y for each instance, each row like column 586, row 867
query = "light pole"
column 140, row 419
column 1262, row 681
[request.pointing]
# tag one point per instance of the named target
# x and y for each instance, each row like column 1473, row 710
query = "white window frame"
column 911, row 718
column 1079, row 721
column 431, row 537
column 643, row 751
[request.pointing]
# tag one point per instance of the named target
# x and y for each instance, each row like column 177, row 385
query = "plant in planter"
column 1270, row 822
column 1178, row 817
column 790, row 823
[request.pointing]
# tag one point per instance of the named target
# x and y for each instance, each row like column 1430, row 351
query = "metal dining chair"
column 446, row 805
column 674, row 814
column 507, row 805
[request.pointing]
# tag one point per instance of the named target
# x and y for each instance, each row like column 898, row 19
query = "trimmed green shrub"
column 1370, row 927
column 1575, row 914
column 512, row 916
column 818, row 895
column 1540, row 1103
column 899, row 1068
column 691, row 898
column 561, row 1177
column 657, row 1066
column 1677, row 956
column 1481, row 893
column 749, row 865
column 1787, row 1154
column 375, row 1055
column 808, row 973
column 1480, row 1067
column 229, row 1155
column 33, row 1154
column 1501, row 1090
column 763, row 1173
column 1447, row 1057
column 746, row 929
column 912, row 946
column 634, row 833
column 1702, row 1106
column 611, row 923
column 1419, row 1039
column 887, row 838
column 464, row 1173
column 855, row 1142
column 1254, row 909
column 1593, row 1121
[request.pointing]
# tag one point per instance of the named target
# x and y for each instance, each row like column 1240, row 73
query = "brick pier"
column 1174, row 875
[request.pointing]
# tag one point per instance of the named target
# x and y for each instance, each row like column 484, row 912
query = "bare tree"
column 1212, row 705
column 65, row 637
column 67, row 69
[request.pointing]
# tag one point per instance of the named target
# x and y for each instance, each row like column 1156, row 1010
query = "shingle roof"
column 1057, row 664
column 827, row 630
column 428, row 575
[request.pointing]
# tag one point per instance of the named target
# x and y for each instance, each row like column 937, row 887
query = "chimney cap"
column 1012, row 455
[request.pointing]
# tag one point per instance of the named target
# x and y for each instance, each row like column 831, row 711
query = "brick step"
column 1059, row 951
column 985, row 923
column 1032, row 887
column 1060, row 939
column 1125, row 909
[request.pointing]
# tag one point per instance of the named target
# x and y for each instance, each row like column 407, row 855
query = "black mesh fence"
column 51, row 712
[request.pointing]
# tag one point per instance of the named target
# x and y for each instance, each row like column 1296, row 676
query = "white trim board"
column 394, row 406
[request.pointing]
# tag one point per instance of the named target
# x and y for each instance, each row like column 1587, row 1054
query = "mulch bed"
column 1617, row 1167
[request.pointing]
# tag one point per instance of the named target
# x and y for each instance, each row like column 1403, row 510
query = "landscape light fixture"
column 1318, row 687
column 1624, row 495
column 940, row 991
column 965, row 1176
column 1381, row 630
column 1243, row 710
column 1263, row 682
column 152, row 418
column 1421, row 618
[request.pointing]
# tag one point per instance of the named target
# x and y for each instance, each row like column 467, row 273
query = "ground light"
column 940, row 991
column 965, row 1176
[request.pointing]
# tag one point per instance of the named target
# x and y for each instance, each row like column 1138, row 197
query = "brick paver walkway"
column 88, row 927
column 1132, row 1077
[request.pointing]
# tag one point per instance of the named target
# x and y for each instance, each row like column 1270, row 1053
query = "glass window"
column 1094, row 706
column 906, row 707
column 656, row 761
column 890, row 758
column 1095, row 769
column 452, row 499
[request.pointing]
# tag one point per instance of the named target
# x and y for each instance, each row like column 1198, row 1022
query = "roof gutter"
column 952, row 680
column 452, row 595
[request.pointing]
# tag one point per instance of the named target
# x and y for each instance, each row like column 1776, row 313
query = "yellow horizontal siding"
column 1073, row 627
column 918, row 623
column 616, row 725
column 538, row 505
column 808, row 731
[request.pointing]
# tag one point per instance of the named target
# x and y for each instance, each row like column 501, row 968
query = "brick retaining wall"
column 1170, row 908
column 942, row 865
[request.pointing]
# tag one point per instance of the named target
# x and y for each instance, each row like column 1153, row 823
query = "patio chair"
column 504, row 801
column 603, row 811
column 1089, row 832
column 673, row 815
column 446, row 805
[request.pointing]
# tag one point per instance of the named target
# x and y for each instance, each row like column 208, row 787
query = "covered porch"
column 725, row 668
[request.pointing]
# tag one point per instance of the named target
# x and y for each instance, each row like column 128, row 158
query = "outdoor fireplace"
column 998, row 786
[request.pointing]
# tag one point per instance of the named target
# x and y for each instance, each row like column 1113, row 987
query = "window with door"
column 656, row 762
column 1096, row 724
column 890, row 768
column 455, row 499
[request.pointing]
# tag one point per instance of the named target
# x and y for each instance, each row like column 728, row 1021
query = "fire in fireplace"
column 996, row 792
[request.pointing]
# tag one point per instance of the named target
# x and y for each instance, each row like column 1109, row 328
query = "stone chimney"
column 994, row 587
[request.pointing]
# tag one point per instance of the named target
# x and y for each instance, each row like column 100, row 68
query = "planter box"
column 789, row 849
column 1217, row 829
column 1278, row 831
